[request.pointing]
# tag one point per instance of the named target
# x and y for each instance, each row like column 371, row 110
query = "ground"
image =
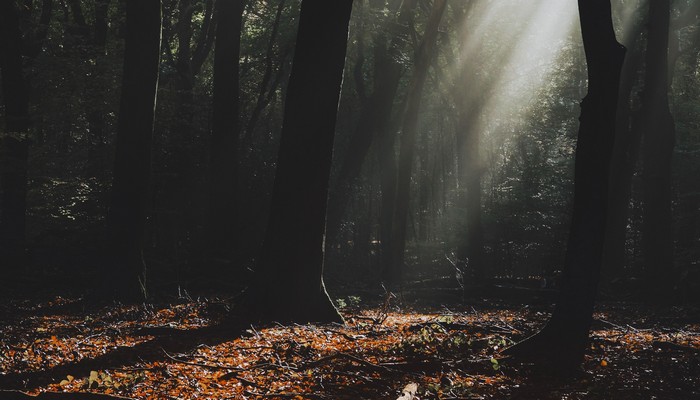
column 178, row 349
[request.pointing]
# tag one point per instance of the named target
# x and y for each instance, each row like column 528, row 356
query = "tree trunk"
column 658, row 136
column 13, row 142
column 223, row 165
column 625, row 155
column 126, row 274
column 288, row 284
column 95, row 165
column 561, row 344
column 409, row 131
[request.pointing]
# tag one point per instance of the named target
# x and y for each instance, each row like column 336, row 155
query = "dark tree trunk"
column 13, row 142
column 561, row 344
column 126, row 273
column 101, row 23
column 658, row 136
column 225, row 132
column 409, row 131
column 289, row 271
column 471, row 248
column 625, row 155
column 95, row 165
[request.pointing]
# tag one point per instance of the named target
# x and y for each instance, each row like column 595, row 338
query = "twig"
column 343, row 334
column 229, row 375
column 350, row 357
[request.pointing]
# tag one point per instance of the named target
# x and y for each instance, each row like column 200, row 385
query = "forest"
column 349, row 199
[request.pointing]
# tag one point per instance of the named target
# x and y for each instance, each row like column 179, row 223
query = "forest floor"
column 177, row 350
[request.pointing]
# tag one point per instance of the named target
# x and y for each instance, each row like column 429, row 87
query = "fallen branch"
column 674, row 346
column 286, row 395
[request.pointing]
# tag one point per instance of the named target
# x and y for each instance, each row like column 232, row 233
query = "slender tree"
column 409, row 131
column 470, row 250
column 625, row 155
column 225, row 130
column 289, row 270
column 562, row 342
column 125, row 273
column 658, row 136
column 13, row 141
column 375, row 115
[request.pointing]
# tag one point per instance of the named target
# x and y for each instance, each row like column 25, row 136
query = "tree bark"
column 561, row 344
column 126, row 271
column 658, row 136
column 13, row 142
column 409, row 132
column 288, row 284
column 223, row 165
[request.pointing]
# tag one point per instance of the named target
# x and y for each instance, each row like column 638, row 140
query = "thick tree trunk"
column 126, row 273
column 289, row 271
column 223, row 165
column 409, row 130
column 13, row 142
column 658, row 136
column 561, row 344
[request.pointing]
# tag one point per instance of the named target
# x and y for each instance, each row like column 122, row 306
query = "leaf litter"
column 176, row 351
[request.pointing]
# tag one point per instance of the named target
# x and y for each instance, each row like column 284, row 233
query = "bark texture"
column 126, row 271
column 288, row 284
column 562, row 342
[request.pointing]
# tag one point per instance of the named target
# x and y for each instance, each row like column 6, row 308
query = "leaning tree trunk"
column 223, row 164
column 658, row 137
column 409, row 129
column 13, row 142
column 288, row 284
column 562, row 343
column 126, row 272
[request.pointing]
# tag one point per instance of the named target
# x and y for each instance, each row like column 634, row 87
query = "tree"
column 125, row 272
column 658, row 136
column 375, row 114
column 223, row 165
column 562, row 342
column 624, row 159
column 409, row 131
column 288, row 283
column 14, row 143
column 470, row 251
